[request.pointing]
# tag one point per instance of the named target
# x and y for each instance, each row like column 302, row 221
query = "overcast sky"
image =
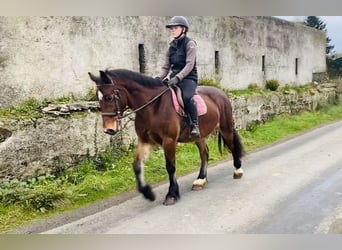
column 334, row 28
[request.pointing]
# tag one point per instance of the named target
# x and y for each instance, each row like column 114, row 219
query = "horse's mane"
column 144, row 80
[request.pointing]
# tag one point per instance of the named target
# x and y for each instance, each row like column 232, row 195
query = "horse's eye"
column 109, row 98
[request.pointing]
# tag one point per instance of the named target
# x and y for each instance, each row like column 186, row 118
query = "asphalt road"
column 294, row 186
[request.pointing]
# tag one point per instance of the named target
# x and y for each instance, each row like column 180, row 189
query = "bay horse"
column 158, row 123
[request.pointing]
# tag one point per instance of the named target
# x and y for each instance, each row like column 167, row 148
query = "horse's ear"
column 94, row 78
column 105, row 78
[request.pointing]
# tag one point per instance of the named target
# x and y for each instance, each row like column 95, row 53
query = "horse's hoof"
column 148, row 193
column 196, row 187
column 237, row 176
column 199, row 184
column 170, row 201
column 238, row 173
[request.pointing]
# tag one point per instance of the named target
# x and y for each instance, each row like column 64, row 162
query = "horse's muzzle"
column 110, row 131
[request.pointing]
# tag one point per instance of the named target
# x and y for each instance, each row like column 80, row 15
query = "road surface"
column 294, row 186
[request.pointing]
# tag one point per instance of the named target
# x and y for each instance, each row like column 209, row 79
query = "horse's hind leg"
column 232, row 141
column 237, row 153
column 143, row 152
column 201, row 180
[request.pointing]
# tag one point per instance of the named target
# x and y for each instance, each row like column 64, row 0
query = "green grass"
column 254, row 89
column 31, row 108
column 286, row 125
column 28, row 109
column 24, row 201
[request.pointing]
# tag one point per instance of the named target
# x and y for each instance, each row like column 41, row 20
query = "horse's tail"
column 219, row 141
column 237, row 145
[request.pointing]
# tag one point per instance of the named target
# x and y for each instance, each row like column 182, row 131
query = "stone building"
column 49, row 57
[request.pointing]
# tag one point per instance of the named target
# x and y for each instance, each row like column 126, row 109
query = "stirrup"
column 194, row 131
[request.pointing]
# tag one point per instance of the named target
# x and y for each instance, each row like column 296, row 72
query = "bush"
column 272, row 85
column 91, row 94
column 209, row 82
column 287, row 87
column 253, row 86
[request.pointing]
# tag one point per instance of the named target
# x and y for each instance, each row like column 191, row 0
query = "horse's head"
column 110, row 103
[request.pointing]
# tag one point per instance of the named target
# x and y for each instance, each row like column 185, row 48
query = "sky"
column 333, row 26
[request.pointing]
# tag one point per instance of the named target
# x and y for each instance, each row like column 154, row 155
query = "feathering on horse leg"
column 173, row 195
column 142, row 154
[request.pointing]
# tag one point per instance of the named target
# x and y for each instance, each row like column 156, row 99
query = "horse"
column 158, row 123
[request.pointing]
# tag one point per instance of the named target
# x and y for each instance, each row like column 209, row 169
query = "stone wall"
column 320, row 77
column 59, row 141
column 49, row 57
column 259, row 108
column 35, row 146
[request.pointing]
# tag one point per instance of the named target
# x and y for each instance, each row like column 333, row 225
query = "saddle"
column 178, row 103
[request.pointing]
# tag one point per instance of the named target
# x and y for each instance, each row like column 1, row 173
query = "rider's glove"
column 173, row 81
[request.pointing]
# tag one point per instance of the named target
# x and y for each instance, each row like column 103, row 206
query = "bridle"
column 119, row 112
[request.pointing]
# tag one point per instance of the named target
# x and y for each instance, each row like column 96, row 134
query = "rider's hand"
column 173, row 81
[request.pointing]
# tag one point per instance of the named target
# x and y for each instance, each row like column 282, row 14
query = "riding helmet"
column 178, row 20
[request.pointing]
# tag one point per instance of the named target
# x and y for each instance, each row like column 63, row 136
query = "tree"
column 317, row 23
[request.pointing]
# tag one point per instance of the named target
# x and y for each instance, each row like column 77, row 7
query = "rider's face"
column 176, row 31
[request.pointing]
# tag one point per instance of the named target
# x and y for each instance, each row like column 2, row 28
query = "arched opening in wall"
column 142, row 60
column 217, row 61
column 296, row 66
column 263, row 63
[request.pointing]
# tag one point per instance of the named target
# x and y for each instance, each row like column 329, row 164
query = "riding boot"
column 192, row 111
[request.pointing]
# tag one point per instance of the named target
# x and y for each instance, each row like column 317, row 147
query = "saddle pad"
column 200, row 104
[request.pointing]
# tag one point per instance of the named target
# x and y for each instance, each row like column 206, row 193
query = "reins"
column 148, row 103
column 118, row 113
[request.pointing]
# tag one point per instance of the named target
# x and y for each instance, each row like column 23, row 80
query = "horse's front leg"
column 169, row 147
column 143, row 152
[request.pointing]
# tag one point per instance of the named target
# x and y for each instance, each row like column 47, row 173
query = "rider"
column 181, row 61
